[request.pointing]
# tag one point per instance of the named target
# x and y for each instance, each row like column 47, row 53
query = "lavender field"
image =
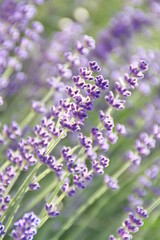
column 80, row 119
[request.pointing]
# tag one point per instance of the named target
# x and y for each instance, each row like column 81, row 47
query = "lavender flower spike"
column 131, row 224
column 26, row 227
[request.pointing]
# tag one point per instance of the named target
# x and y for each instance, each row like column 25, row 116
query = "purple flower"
column 142, row 213
column 84, row 141
column 34, row 186
column 65, row 187
column 101, row 82
column 111, row 182
column 137, row 221
column 123, row 91
column 131, row 224
column 120, row 128
column 2, row 231
column 51, row 210
column 94, row 66
column 85, row 45
column 120, row 30
column 71, row 192
column 111, row 237
column 26, row 227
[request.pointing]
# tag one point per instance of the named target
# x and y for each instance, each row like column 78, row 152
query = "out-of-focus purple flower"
column 144, row 185
column 26, row 227
column 120, row 30
column 120, row 128
column 111, row 182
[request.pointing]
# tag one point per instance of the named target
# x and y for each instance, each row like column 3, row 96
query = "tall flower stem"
column 154, row 205
column 89, row 202
column 101, row 205
column 8, row 72
column 40, row 196
column 14, row 204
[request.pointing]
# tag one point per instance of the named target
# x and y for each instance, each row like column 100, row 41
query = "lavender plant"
column 80, row 128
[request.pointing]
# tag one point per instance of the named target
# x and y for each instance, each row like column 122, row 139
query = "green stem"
column 11, row 184
column 8, row 72
column 43, row 215
column 45, row 218
column 42, row 175
column 54, row 142
column 122, row 170
column 5, row 164
column 53, row 196
column 153, row 205
column 40, row 196
column 89, row 202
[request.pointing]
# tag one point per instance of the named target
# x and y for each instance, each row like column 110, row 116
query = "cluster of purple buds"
column 107, row 121
column 121, row 129
column 73, row 60
column 49, row 126
column 123, row 89
column 24, row 156
column 33, row 186
column 85, row 45
column 64, row 72
column 68, row 158
column 79, row 171
column 81, row 176
column 51, row 210
column 38, row 107
column 50, row 162
column 10, row 132
column 65, row 186
column 143, row 145
column 28, row 150
column 102, row 83
column 84, row 141
column 135, row 73
column 75, row 112
column 100, row 140
column 5, row 179
column 117, row 104
column 94, row 66
column 108, row 125
column 131, row 224
column 99, row 165
column 111, row 182
column 26, row 227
